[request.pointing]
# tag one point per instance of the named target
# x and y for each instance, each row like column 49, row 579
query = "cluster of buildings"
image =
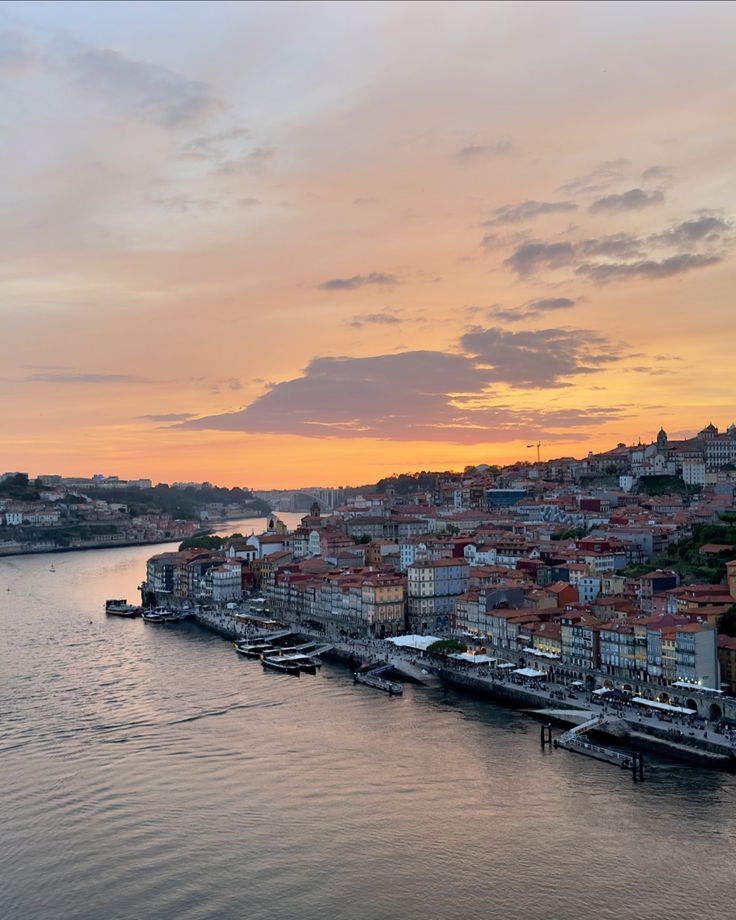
column 532, row 559
column 64, row 517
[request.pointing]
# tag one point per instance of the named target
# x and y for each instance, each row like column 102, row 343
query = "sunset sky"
column 318, row 243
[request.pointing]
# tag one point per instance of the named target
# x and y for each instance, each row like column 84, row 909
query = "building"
column 433, row 586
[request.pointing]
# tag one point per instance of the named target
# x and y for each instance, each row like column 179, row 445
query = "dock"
column 573, row 740
column 373, row 679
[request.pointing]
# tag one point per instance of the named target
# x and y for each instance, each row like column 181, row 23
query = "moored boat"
column 154, row 616
column 280, row 663
column 121, row 608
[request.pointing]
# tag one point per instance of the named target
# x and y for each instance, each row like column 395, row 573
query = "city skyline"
column 321, row 242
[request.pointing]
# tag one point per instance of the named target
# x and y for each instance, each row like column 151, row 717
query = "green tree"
column 445, row 647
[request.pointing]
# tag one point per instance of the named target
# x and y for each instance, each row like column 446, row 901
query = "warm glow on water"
column 149, row 772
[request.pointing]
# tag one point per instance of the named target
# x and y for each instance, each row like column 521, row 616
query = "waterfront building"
column 432, row 587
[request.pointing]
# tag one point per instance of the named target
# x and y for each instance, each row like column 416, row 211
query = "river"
column 149, row 772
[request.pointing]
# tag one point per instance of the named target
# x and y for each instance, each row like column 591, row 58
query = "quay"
column 637, row 729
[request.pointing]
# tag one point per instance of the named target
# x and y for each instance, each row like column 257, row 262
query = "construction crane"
column 538, row 445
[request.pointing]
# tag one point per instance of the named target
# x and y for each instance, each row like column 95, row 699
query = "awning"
column 421, row 643
column 577, row 683
column 472, row 659
column 536, row 651
column 601, row 690
column 529, row 672
column 684, row 685
column 655, row 704
column 506, row 664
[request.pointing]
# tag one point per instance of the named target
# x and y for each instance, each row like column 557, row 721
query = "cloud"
column 532, row 309
column 254, row 162
column 167, row 417
column 18, row 53
column 707, row 228
column 413, row 395
column 154, row 93
column 358, row 281
column 598, row 179
column 212, row 146
column 657, row 174
column 541, row 357
column 182, row 203
column 605, row 272
column 249, row 202
column 378, row 319
column 476, row 151
column 531, row 256
column 527, row 210
column 617, row 245
column 84, row 378
column 636, row 199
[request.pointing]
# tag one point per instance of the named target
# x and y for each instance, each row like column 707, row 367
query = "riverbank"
column 628, row 725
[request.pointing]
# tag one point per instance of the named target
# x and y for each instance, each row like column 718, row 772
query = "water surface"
column 148, row 771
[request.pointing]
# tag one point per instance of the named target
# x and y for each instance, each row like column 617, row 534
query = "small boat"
column 121, row 608
column 52, row 568
column 255, row 649
column 280, row 663
column 154, row 616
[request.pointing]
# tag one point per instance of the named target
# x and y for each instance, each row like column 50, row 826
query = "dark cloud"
column 475, row 151
column 706, row 228
column 378, row 319
column 18, row 53
column 635, row 199
column 540, row 357
column 531, row 256
column 149, row 91
column 527, row 210
column 358, row 281
column 605, row 272
column 167, row 417
column 85, row 378
column 531, row 310
column 598, row 179
column 419, row 395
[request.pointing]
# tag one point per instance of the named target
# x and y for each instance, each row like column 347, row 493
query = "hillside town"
column 53, row 512
column 619, row 568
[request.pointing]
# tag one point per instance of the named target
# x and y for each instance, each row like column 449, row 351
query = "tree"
column 362, row 539
column 445, row 647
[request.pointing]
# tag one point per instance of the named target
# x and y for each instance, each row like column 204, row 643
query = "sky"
column 284, row 244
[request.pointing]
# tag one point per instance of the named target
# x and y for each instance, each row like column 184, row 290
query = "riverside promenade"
column 675, row 736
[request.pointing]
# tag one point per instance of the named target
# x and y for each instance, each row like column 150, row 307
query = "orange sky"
column 318, row 243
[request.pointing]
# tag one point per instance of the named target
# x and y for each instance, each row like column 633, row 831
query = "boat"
column 254, row 649
column 280, row 663
column 154, row 616
column 52, row 568
column 121, row 608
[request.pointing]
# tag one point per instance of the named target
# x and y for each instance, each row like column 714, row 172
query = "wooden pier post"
column 546, row 734
column 637, row 767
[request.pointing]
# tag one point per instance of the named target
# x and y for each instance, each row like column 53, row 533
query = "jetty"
column 373, row 678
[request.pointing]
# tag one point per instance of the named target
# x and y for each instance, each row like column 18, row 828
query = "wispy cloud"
column 358, row 281
column 376, row 319
column 478, row 151
column 635, row 199
column 527, row 210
